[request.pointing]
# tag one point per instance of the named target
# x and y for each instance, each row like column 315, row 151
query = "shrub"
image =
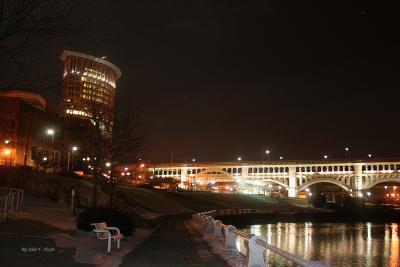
column 112, row 217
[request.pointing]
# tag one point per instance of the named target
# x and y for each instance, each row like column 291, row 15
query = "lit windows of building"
column 88, row 82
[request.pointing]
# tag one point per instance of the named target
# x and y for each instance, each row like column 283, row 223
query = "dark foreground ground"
column 174, row 243
column 26, row 243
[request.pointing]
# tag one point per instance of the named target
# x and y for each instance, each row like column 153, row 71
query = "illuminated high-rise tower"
column 88, row 86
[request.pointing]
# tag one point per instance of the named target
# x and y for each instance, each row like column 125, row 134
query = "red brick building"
column 30, row 131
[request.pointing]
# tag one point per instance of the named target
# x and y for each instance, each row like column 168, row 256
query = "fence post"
column 16, row 206
column 12, row 203
column 72, row 202
column 5, row 208
column 22, row 197
column 230, row 238
column 255, row 253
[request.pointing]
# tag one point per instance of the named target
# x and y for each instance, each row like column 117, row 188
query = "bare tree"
column 126, row 147
column 26, row 25
column 111, row 144
column 99, row 138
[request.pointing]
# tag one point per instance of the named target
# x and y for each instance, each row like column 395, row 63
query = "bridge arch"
column 382, row 180
column 323, row 180
column 214, row 174
column 263, row 183
column 273, row 181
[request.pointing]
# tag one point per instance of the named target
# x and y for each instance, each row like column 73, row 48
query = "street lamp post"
column 267, row 152
column 347, row 154
column 51, row 132
column 8, row 152
column 71, row 150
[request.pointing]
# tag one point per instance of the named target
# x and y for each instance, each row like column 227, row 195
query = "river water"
column 338, row 244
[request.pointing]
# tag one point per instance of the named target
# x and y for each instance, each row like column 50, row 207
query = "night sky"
column 216, row 79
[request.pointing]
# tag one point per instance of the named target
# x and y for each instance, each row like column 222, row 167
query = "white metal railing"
column 224, row 236
column 251, row 211
column 11, row 201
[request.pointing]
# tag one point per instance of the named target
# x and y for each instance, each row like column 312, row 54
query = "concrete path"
column 174, row 244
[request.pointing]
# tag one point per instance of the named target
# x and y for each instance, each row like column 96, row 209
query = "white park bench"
column 103, row 232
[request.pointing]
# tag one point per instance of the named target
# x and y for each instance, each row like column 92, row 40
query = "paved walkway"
column 173, row 244
column 43, row 233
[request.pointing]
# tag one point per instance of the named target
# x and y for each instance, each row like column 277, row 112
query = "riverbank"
column 147, row 207
column 368, row 214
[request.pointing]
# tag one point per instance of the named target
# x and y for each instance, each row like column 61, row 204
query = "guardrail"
column 223, row 239
column 12, row 201
column 252, row 211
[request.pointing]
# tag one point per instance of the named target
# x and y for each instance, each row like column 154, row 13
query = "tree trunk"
column 111, row 196
column 94, row 192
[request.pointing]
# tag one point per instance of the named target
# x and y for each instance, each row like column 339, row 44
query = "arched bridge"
column 353, row 176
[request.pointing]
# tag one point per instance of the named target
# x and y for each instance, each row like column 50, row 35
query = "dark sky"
column 214, row 79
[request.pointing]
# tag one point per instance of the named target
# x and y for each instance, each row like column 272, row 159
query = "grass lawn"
column 164, row 201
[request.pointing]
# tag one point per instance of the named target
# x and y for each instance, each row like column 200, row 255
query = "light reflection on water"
column 338, row 244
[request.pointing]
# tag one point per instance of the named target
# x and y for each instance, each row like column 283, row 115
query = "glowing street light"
column 71, row 150
column 44, row 158
column 307, row 190
column 108, row 164
column 193, row 160
column 8, row 152
column 51, row 132
column 239, row 158
column 267, row 152
column 325, row 156
column 369, row 155
column 368, row 193
column 281, row 158
column 347, row 149
column 6, row 141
